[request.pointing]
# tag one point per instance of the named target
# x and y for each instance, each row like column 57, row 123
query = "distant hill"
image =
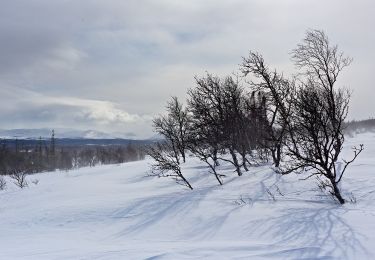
column 74, row 142
column 62, row 133
column 69, row 137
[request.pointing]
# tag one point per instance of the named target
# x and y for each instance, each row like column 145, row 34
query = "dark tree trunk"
column 216, row 160
column 235, row 162
column 187, row 183
column 214, row 170
column 216, row 175
column 183, row 156
column 244, row 160
column 276, row 155
column 336, row 192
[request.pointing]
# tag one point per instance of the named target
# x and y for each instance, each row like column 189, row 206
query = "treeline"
column 17, row 158
column 260, row 115
column 360, row 126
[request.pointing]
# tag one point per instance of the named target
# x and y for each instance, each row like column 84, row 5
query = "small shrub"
column 20, row 179
column 3, row 183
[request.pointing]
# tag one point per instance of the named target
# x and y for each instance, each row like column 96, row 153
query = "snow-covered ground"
column 115, row 212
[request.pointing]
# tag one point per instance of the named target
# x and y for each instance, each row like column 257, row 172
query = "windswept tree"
column 204, row 150
column 205, row 137
column 173, row 127
column 319, row 109
column 236, row 125
column 272, row 107
column 215, row 106
column 299, row 121
column 166, row 164
column 205, row 117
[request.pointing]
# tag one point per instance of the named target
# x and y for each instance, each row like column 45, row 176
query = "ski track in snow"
column 117, row 212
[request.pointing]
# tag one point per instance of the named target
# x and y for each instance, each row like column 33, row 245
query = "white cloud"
column 31, row 109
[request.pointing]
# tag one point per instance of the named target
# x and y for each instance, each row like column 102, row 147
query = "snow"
column 117, row 212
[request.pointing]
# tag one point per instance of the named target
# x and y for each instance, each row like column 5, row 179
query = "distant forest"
column 361, row 126
column 32, row 156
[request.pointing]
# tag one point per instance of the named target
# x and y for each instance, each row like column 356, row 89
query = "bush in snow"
column 20, row 179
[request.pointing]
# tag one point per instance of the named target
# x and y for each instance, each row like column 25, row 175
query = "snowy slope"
column 115, row 212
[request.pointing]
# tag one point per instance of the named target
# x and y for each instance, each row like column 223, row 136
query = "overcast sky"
column 111, row 65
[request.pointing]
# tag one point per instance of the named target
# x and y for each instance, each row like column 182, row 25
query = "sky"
column 112, row 65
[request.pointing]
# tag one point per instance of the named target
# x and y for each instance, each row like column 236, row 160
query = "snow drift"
column 117, row 212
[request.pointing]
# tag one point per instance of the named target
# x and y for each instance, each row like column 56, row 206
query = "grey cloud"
column 135, row 54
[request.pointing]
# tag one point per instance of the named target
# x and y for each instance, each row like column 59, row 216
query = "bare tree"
column 166, row 164
column 216, row 118
column 53, row 151
column 235, row 123
column 201, row 147
column 204, row 131
column 319, row 108
column 274, row 90
column 173, row 127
